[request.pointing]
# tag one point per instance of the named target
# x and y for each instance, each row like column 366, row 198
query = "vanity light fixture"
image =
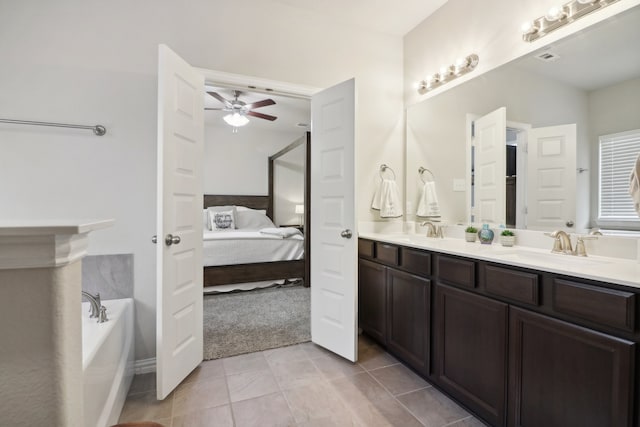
column 558, row 16
column 448, row 73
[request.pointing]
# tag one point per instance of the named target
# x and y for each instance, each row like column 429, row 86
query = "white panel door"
column 490, row 162
column 179, row 337
column 333, row 265
column 551, row 179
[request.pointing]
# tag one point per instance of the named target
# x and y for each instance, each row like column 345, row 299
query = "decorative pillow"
column 222, row 217
column 252, row 219
column 205, row 220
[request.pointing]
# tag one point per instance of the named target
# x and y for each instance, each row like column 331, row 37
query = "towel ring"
column 421, row 172
column 383, row 168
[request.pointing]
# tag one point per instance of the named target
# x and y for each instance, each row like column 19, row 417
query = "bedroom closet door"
column 334, row 263
column 179, row 338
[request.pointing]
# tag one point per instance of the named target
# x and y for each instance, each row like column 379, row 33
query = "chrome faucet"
column 433, row 230
column 562, row 242
column 98, row 311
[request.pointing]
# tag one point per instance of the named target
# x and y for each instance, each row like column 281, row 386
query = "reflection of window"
column 618, row 153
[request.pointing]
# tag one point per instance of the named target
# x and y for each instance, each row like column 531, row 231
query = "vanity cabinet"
column 394, row 302
column 470, row 350
column 516, row 346
column 562, row 375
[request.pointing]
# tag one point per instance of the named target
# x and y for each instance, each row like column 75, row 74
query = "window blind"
column 618, row 153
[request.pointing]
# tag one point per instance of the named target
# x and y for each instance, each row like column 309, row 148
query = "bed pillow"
column 252, row 219
column 244, row 208
column 222, row 217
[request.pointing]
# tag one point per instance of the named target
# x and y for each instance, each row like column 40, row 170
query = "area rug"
column 249, row 321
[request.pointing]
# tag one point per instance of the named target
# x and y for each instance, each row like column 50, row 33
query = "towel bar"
column 383, row 168
column 421, row 172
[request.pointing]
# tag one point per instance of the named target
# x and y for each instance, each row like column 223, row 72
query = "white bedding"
column 249, row 246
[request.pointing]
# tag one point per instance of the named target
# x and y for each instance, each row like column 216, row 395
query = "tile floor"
column 301, row 385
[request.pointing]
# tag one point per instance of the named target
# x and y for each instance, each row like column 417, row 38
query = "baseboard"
column 144, row 366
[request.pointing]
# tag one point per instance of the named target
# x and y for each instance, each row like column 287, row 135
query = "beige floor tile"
column 385, row 413
column 399, row 379
column 145, row 407
column 196, row 396
column 206, row 370
column 365, row 341
column 468, row 422
column 314, row 402
column 284, row 355
column 296, row 374
column 336, row 367
column 314, row 350
column 247, row 385
column 269, row 410
column 143, row 383
column 433, row 408
column 360, row 389
column 212, row 417
column 374, row 357
column 245, row 363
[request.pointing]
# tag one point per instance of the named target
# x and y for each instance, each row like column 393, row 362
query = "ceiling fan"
column 238, row 110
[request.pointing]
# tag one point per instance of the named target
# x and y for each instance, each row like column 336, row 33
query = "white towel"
column 283, row 232
column 634, row 185
column 428, row 205
column 387, row 199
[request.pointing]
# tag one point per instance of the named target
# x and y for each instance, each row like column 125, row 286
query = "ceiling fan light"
column 235, row 119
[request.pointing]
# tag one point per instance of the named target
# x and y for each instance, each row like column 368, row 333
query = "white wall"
column 238, row 163
column 90, row 61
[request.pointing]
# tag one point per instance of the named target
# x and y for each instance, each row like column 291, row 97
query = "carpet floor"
column 244, row 322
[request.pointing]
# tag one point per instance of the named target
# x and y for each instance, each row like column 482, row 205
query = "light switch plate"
column 458, row 185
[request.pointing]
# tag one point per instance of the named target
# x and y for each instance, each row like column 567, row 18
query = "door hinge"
column 473, row 129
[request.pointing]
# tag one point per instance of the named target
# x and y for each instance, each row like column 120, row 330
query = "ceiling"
column 389, row 17
column 596, row 57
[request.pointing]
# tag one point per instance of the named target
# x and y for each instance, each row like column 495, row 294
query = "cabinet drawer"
column 416, row 261
column 512, row 284
column 608, row 307
column 365, row 248
column 388, row 254
column 457, row 271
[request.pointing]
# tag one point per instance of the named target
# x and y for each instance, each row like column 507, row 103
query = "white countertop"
column 51, row 227
column 606, row 269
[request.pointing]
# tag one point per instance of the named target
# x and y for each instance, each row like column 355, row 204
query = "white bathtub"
column 107, row 362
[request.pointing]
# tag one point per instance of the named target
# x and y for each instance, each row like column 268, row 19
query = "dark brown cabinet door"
column 372, row 299
column 562, row 375
column 408, row 318
column 470, row 351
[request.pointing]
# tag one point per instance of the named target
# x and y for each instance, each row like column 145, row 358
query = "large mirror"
column 519, row 145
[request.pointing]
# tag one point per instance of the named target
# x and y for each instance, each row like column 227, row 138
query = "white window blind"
column 618, row 153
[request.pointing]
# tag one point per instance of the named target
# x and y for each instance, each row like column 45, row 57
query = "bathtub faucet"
column 98, row 311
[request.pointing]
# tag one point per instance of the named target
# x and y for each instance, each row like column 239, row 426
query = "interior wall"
column 604, row 121
column 238, row 163
column 288, row 177
column 88, row 61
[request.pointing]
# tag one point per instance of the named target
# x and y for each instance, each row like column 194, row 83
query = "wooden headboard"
column 253, row 202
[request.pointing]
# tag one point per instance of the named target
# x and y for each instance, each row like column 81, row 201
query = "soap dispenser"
column 485, row 235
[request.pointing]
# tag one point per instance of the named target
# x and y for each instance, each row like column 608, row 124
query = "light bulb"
column 586, row 1
column 527, row 27
column 235, row 119
column 554, row 14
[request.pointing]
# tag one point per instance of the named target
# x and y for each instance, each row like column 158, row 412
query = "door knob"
column 346, row 234
column 171, row 240
column 154, row 239
column 569, row 223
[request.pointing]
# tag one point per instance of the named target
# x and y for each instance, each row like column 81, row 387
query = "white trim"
column 221, row 78
column 144, row 366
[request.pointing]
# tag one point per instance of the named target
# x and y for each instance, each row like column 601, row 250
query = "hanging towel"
column 387, row 199
column 634, row 185
column 428, row 205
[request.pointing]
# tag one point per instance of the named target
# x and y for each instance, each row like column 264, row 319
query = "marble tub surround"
column 41, row 351
column 529, row 253
column 110, row 275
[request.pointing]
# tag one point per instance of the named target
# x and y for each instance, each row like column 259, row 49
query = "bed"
column 247, row 255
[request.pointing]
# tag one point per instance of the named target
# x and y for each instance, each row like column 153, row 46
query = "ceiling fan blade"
column 220, row 98
column 259, row 104
column 261, row 116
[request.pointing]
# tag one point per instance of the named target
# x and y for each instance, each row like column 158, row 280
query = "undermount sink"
column 553, row 258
